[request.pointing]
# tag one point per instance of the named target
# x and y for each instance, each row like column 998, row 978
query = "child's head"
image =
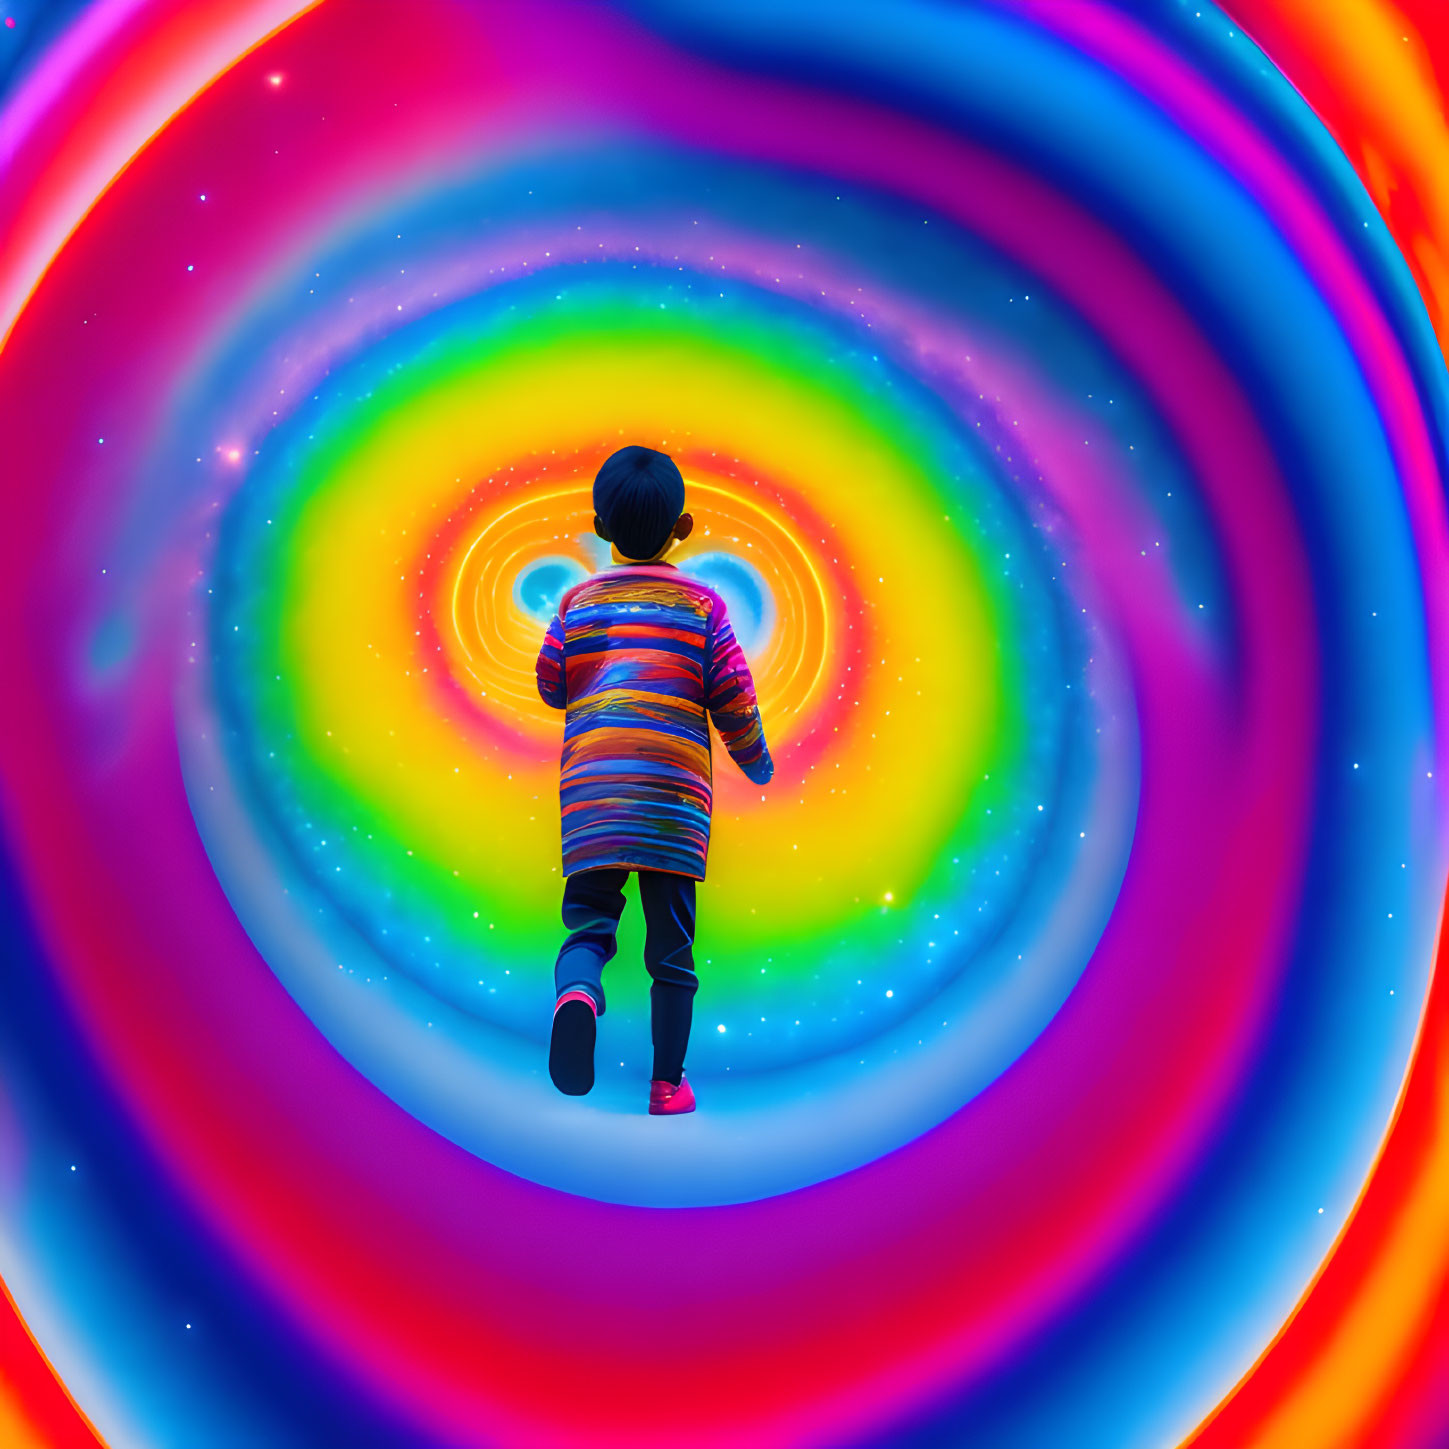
column 639, row 503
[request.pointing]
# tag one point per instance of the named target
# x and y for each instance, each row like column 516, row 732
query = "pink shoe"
column 571, row 1044
column 667, row 1100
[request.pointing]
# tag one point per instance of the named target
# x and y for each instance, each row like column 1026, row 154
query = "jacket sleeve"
column 730, row 699
column 552, row 680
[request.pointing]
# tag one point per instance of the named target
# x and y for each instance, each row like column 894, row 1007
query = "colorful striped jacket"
column 637, row 656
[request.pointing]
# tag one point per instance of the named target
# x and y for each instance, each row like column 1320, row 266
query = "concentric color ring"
column 1063, row 426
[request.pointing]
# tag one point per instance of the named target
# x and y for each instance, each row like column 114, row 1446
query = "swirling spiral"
column 1065, row 430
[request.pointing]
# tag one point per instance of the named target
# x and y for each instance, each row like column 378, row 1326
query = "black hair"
column 638, row 497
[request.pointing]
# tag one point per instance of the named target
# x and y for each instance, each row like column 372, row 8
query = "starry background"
column 1067, row 976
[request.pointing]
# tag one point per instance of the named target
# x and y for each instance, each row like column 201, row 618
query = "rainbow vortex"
column 1066, row 431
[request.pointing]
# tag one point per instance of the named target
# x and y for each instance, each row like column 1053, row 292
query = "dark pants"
column 593, row 901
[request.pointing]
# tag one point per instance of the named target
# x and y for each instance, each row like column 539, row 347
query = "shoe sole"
column 571, row 1049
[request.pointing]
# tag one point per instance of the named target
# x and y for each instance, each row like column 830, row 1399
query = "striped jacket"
column 637, row 656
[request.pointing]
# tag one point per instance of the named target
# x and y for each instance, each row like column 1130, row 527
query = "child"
column 637, row 656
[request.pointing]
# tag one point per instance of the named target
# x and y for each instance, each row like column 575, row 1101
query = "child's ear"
column 601, row 530
column 685, row 526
